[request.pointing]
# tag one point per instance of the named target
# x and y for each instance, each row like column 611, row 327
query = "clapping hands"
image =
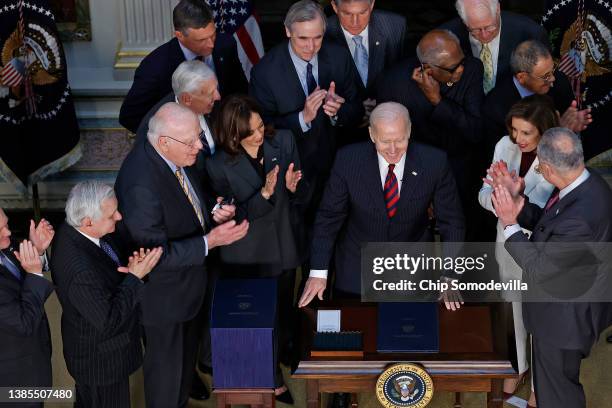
column 498, row 174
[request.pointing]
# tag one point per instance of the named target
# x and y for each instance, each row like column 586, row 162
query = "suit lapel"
column 245, row 171
column 505, row 37
column 95, row 251
column 294, row 86
column 325, row 64
column 271, row 155
column 169, row 179
column 372, row 181
column 376, row 45
column 410, row 178
column 9, row 254
column 532, row 178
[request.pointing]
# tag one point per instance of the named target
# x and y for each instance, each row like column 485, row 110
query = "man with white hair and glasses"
column 491, row 35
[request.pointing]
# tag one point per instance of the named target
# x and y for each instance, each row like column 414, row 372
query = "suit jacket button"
column 541, row 229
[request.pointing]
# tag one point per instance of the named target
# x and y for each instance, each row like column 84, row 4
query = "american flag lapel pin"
column 414, row 173
column 377, row 42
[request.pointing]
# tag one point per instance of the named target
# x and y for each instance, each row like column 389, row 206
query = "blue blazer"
column 353, row 203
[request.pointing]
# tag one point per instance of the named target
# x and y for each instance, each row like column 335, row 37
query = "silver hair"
column 491, row 5
column 553, row 149
column 169, row 114
column 189, row 75
column 389, row 112
column 85, row 200
column 431, row 55
column 526, row 55
column 304, row 10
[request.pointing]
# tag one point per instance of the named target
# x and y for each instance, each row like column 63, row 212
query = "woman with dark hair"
column 259, row 169
column 516, row 156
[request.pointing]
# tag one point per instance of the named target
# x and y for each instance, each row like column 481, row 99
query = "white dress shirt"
column 190, row 55
column 383, row 169
column 301, row 69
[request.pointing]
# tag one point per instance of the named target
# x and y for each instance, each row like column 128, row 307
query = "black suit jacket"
column 582, row 216
column 386, row 40
column 100, row 329
column 25, row 343
column 276, row 86
column 501, row 98
column 156, row 212
column 153, row 77
column 515, row 29
column 272, row 231
column 354, row 203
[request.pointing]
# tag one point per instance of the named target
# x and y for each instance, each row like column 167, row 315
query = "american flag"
column 12, row 73
column 237, row 18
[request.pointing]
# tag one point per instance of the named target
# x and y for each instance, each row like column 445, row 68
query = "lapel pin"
column 557, row 212
column 414, row 173
column 377, row 42
column 274, row 159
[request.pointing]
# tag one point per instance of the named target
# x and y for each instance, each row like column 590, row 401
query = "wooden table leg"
column 313, row 397
column 495, row 398
column 457, row 400
column 354, row 400
column 269, row 400
column 222, row 400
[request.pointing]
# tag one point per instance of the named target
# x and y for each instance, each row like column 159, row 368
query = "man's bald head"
column 437, row 46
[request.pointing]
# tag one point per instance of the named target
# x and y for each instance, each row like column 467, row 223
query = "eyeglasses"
column 452, row 69
column 191, row 144
column 549, row 77
column 484, row 30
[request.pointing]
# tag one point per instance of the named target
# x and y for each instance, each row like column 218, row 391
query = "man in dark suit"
column 380, row 192
column 491, row 35
column 162, row 203
column 442, row 90
column 533, row 72
column 309, row 87
column 100, row 327
column 577, row 212
column 24, row 331
column 195, row 38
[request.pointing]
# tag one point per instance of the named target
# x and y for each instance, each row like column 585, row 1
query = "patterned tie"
column 554, row 198
column 311, row 84
column 206, row 150
column 179, row 175
column 391, row 192
column 108, row 250
column 487, row 62
column 6, row 262
column 361, row 59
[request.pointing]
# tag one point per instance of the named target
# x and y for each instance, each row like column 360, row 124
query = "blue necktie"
column 206, row 150
column 6, row 262
column 361, row 59
column 311, row 84
column 109, row 251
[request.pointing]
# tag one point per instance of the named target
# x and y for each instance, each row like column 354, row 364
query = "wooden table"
column 465, row 363
column 255, row 397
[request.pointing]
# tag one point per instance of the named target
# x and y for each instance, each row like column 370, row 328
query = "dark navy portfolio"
column 408, row 328
column 242, row 333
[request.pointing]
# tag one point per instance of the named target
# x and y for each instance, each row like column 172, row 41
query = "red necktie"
column 391, row 191
column 554, row 198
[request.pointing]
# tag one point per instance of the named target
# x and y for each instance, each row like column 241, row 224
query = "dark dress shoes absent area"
column 204, row 369
column 285, row 397
column 340, row 400
column 198, row 388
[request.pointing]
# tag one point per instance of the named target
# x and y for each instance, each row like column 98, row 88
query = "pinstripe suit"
column 353, row 201
column 386, row 39
column 100, row 328
column 25, row 344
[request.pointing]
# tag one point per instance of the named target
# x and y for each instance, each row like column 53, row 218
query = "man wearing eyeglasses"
column 162, row 201
column 442, row 89
column 534, row 72
column 490, row 35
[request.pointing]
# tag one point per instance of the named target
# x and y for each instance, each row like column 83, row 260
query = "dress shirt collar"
column 476, row 47
column 92, row 239
column 524, row 92
column 383, row 168
column 351, row 43
column 190, row 55
column 300, row 64
column 579, row 180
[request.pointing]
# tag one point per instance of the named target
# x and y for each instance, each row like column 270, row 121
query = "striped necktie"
column 108, row 250
column 487, row 62
column 391, row 192
column 361, row 59
column 554, row 199
column 181, row 178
